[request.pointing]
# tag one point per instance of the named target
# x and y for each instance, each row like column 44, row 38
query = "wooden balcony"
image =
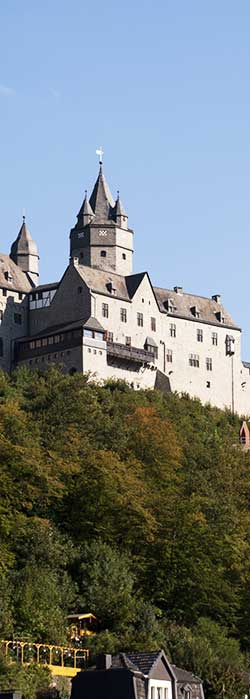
column 126, row 353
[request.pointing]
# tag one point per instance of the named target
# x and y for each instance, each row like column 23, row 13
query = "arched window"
column 103, row 253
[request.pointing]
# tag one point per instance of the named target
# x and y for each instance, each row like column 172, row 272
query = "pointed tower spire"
column 120, row 215
column 24, row 253
column 85, row 214
column 101, row 200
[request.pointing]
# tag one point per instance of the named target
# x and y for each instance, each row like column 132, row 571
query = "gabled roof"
column 101, row 200
column 183, row 303
column 133, row 282
column 11, row 276
column 99, row 281
column 185, row 676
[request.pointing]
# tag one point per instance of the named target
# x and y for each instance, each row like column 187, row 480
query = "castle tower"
column 24, row 253
column 101, row 237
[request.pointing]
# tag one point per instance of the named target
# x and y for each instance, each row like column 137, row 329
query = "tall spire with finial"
column 24, row 253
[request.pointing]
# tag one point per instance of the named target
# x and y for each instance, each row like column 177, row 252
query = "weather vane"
column 100, row 152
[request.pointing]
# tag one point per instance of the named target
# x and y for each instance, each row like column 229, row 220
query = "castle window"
column 81, row 255
column 153, row 324
column 128, row 341
column 215, row 339
column 140, row 319
column 220, row 317
column 172, row 330
column 8, row 276
column 1, row 315
column 208, row 384
column 123, row 256
column 169, row 355
column 169, row 305
column 44, row 342
column 1, row 347
column 20, row 296
column 51, row 340
column 195, row 311
column 4, row 292
column 199, row 335
column 105, row 310
column 194, row 360
column 209, row 365
column 38, row 343
column 18, row 318
column 110, row 337
column 56, row 339
column 88, row 333
column 32, row 344
column 123, row 314
column 103, row 253
column 79, row 290
column 98, row 335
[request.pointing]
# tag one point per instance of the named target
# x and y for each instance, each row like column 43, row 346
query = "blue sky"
column 164, row 87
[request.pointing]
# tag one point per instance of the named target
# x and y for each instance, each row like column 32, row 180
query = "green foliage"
column 129, row 504
column 28, row 680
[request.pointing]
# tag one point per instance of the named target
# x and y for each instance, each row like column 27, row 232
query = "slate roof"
column 98, row 280
column 184, row 302
column 46, row 287
column 24, row 243
column 133, row 282
column 19, row 280
column 143, row 661
column 185, row 676
column 101, row 200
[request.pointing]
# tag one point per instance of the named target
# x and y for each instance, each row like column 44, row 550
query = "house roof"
column 185, row 676
column 183, row 303
column 144, row 661
column 98, row 280
column 24, row 244
column 19, row 280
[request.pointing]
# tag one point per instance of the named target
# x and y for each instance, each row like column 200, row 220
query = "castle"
column 103, row 319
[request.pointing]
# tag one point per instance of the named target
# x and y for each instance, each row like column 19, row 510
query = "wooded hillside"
column 131, row 505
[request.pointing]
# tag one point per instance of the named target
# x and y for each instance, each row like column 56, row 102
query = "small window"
column 32, row 344
column 208, row 384
column 1, row 347
column 81, row 255
column 199, row 335
column 123, row 314
column 153, row 324
column 194, row 360
column 98, row 335
column 209, row 364
column 79, row 290
column 20, row 296
column 4, row 292
column 87, row 333
column 38, row 343
column 169, row 355
column 110, row 337
column 44, row 342
column 140, row 319
column 18, row 318
column 51, row 340
column 56, row 339
column 103, row 253
column 105, row 310
column 40, row 295
column 215, row 339
column 172, row 330
column 1, row 315
column 123, row 256
column 128, row 341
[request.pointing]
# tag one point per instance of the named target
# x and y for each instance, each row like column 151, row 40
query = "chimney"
column 104, row 661
column 178, row 289
column 216, row 298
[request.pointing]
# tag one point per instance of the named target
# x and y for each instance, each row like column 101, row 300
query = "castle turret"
column 101, row 237
column 24, row 253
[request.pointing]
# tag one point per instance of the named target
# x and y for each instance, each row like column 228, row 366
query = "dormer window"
column 169, row 305
column 8, row 276
column 220, row 317
column 111, row 288
column 195, row 311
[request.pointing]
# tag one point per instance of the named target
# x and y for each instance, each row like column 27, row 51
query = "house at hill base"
column 103, row 319
column 136, row 676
